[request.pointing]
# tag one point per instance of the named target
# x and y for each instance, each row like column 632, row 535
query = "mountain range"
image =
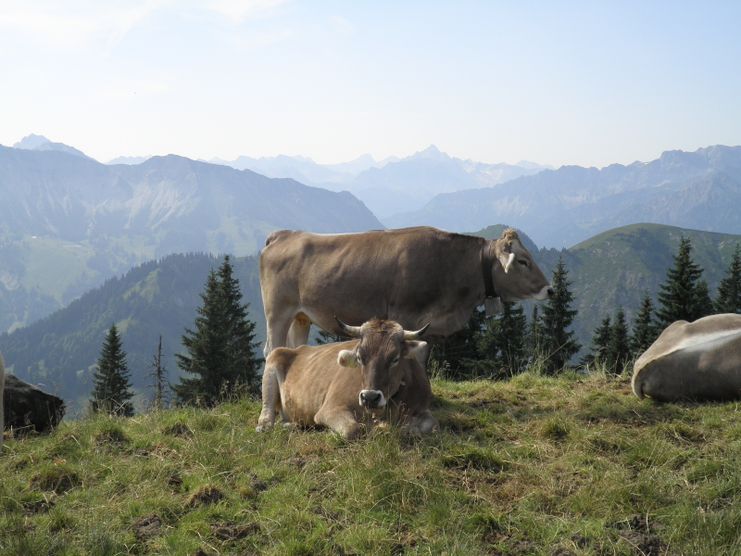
column 68, row 222
column 393, row 185
column 562, row 207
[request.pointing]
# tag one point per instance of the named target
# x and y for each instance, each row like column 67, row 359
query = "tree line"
column 511, row 343
column 220, row 359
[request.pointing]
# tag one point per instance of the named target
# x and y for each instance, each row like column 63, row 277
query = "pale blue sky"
column 586, row 83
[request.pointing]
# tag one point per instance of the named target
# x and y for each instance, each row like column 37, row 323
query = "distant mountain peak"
column 35, row 142
column 129, row 160
column 430, row 152
column 31, row 142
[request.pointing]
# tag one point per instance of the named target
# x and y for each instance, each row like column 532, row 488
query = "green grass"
column 535, row 465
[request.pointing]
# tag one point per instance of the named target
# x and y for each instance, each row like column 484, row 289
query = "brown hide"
column 413, row 276
column 314, row 389
column 700, row 360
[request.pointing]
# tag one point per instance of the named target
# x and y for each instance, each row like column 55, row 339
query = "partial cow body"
column 2, row 396
column 341, row 385
column 700, row 360
column 411, row 275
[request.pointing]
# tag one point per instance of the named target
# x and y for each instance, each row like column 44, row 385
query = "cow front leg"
column 340, row 420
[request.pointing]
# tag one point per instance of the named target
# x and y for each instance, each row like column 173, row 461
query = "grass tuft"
column 57, row 478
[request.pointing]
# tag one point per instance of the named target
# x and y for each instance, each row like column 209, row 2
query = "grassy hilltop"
column 571, row 465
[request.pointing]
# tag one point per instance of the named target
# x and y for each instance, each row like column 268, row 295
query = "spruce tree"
column 504, row 341
column 535, row 335
column 458, row 354
column 600, row 343
column 221, row 348
column 684, row 295
column 729, row 290
column 324, row 337
column 112, row 389
column 619, row 346
column 244, row 364
column 559, row 344
column 644, row 328
column 159, row 379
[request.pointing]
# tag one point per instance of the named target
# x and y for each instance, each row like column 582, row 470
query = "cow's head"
column 383, row 345
column 516, row 276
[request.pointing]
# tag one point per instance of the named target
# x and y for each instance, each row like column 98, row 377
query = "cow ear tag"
column 347, row 358
column 493, row 306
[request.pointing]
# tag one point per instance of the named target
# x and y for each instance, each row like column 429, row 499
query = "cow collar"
column 492, row 302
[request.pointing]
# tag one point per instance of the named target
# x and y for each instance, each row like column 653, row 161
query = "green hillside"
column 617, row 268
column 158, row 297
column 567, row 466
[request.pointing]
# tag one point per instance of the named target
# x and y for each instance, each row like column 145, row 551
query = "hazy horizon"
column 566, row 83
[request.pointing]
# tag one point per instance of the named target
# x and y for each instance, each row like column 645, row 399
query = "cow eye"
column 396, row 360
column 523, row 262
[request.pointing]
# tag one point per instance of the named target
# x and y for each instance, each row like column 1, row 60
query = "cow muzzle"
column 371, row 399
column 545, row 293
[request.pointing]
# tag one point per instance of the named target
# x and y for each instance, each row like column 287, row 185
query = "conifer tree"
column 112, row 390
column 459, row 353
column 535, row 335
column 729, row 290
column 244, row 364
column 619, row 346
column 221, row 348
column 324, row 337
column 684, row 295
column 159, row 379
column 644, row 328
column 559, row 344
column 504, row 341
column 600, row 343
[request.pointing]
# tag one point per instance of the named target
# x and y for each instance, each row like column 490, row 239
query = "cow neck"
column 487, row 262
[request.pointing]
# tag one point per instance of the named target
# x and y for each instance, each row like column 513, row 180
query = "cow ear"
column 416, row 349
column 347, row 358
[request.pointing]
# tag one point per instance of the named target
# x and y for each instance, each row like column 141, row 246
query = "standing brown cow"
column 411, row 275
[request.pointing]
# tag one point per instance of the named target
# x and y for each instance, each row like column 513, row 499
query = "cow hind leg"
column 298, row 333
column 277, row 327
column 270, row 399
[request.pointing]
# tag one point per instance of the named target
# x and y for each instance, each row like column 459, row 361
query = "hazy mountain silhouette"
column 700, row 189
column 68, row 222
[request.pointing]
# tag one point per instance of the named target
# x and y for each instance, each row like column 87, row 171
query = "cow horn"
column 414, row 334
column 352, row 331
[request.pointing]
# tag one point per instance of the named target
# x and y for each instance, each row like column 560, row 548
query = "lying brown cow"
column 698, row 360
column 342, row 384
